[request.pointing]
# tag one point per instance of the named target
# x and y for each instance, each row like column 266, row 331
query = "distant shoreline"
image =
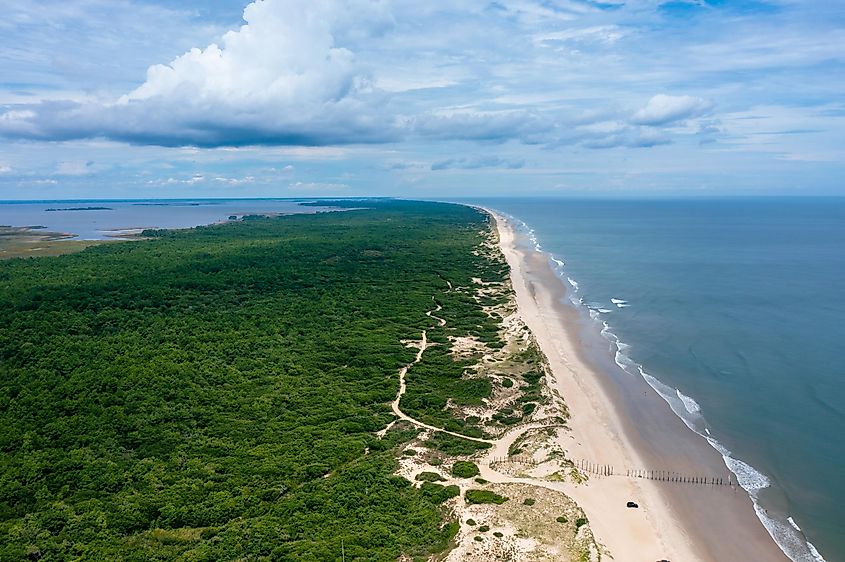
column 625, row 424
column 53, row 209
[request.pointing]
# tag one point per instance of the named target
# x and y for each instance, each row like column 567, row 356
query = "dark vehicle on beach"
column 632, row 504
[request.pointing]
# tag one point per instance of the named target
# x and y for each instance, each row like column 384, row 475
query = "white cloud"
column 282, row 78
column 235, row 181
column 317, row 186
column 477, row 162
column 5, row 169
column 663, row 109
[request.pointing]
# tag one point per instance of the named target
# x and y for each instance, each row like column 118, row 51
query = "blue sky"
column 132, row 98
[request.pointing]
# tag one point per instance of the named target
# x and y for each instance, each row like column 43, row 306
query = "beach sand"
column 618, row 420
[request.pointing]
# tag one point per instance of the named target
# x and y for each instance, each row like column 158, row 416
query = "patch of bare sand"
column 551, row 528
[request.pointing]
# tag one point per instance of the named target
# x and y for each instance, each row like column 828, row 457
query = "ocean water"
column 734, row 310
column 103, row 219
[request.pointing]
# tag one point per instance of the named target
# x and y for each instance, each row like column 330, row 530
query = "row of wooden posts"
column 516, row 459
column 608, row 470
column 659, row 475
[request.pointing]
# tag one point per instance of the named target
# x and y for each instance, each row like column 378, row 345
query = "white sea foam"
column 749, row 478
column 707, row 430
column 792, row 542
column 793, row 523
column 607, row 334
column 690, row 404
column 618, row 301
column 594, row 314
column 817, row 557
column 624, row 361
column 558, row 262
column 573, row 282
column 604, row 310
column 622, row 305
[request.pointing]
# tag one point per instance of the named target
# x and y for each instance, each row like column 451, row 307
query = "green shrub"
column 562, row 519
column 483, row 528
column 528, row 501
column 484, row 496
column 478, row 538
column 471, row 522
column 439, row 493
column 428, row 477
column 481, row 481
column 465, row 469
column 498, row 535
column 455, row 446
column 507, row 383
column 580, row 522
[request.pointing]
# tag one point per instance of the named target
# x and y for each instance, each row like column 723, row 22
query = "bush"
column 428, row 477
column 439, row 493
column 484, row 496
column 562, row 519
column 580, row 522
column 507, row 383
column 452, row 445
column 498, row 535
column 471, row 522
column 481, row 481
column 484, row 528
column 465, row 469
column 528, row 501
column 478, row 538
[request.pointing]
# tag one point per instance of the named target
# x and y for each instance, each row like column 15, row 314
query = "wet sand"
column 619, row 420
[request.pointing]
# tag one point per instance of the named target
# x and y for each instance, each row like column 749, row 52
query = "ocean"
column 732, row 309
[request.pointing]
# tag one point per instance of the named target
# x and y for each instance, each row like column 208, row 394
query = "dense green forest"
column 214, row 393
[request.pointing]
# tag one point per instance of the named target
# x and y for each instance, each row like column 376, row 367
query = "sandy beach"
column 620, row 421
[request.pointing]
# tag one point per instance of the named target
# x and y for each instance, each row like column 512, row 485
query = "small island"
column 78, row 209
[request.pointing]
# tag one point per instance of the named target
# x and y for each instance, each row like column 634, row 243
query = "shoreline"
column 623, row 422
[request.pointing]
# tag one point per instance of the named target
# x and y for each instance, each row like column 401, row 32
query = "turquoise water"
column 738, row 307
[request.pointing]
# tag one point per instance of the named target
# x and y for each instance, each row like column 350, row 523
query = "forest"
column 214, row 393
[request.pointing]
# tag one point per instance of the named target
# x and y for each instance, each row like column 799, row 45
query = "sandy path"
column 423, row 345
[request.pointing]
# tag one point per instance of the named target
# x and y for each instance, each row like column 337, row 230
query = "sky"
column 288, row 98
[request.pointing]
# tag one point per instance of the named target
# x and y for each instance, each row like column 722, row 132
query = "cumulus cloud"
column 5, row 169
column 476, row 162
column 292, row 75
column 283, row 78
column 663, row 110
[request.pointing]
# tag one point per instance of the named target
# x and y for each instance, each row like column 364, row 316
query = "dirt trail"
column 499, row 447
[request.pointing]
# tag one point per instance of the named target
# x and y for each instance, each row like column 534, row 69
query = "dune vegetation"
column 216, row 393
